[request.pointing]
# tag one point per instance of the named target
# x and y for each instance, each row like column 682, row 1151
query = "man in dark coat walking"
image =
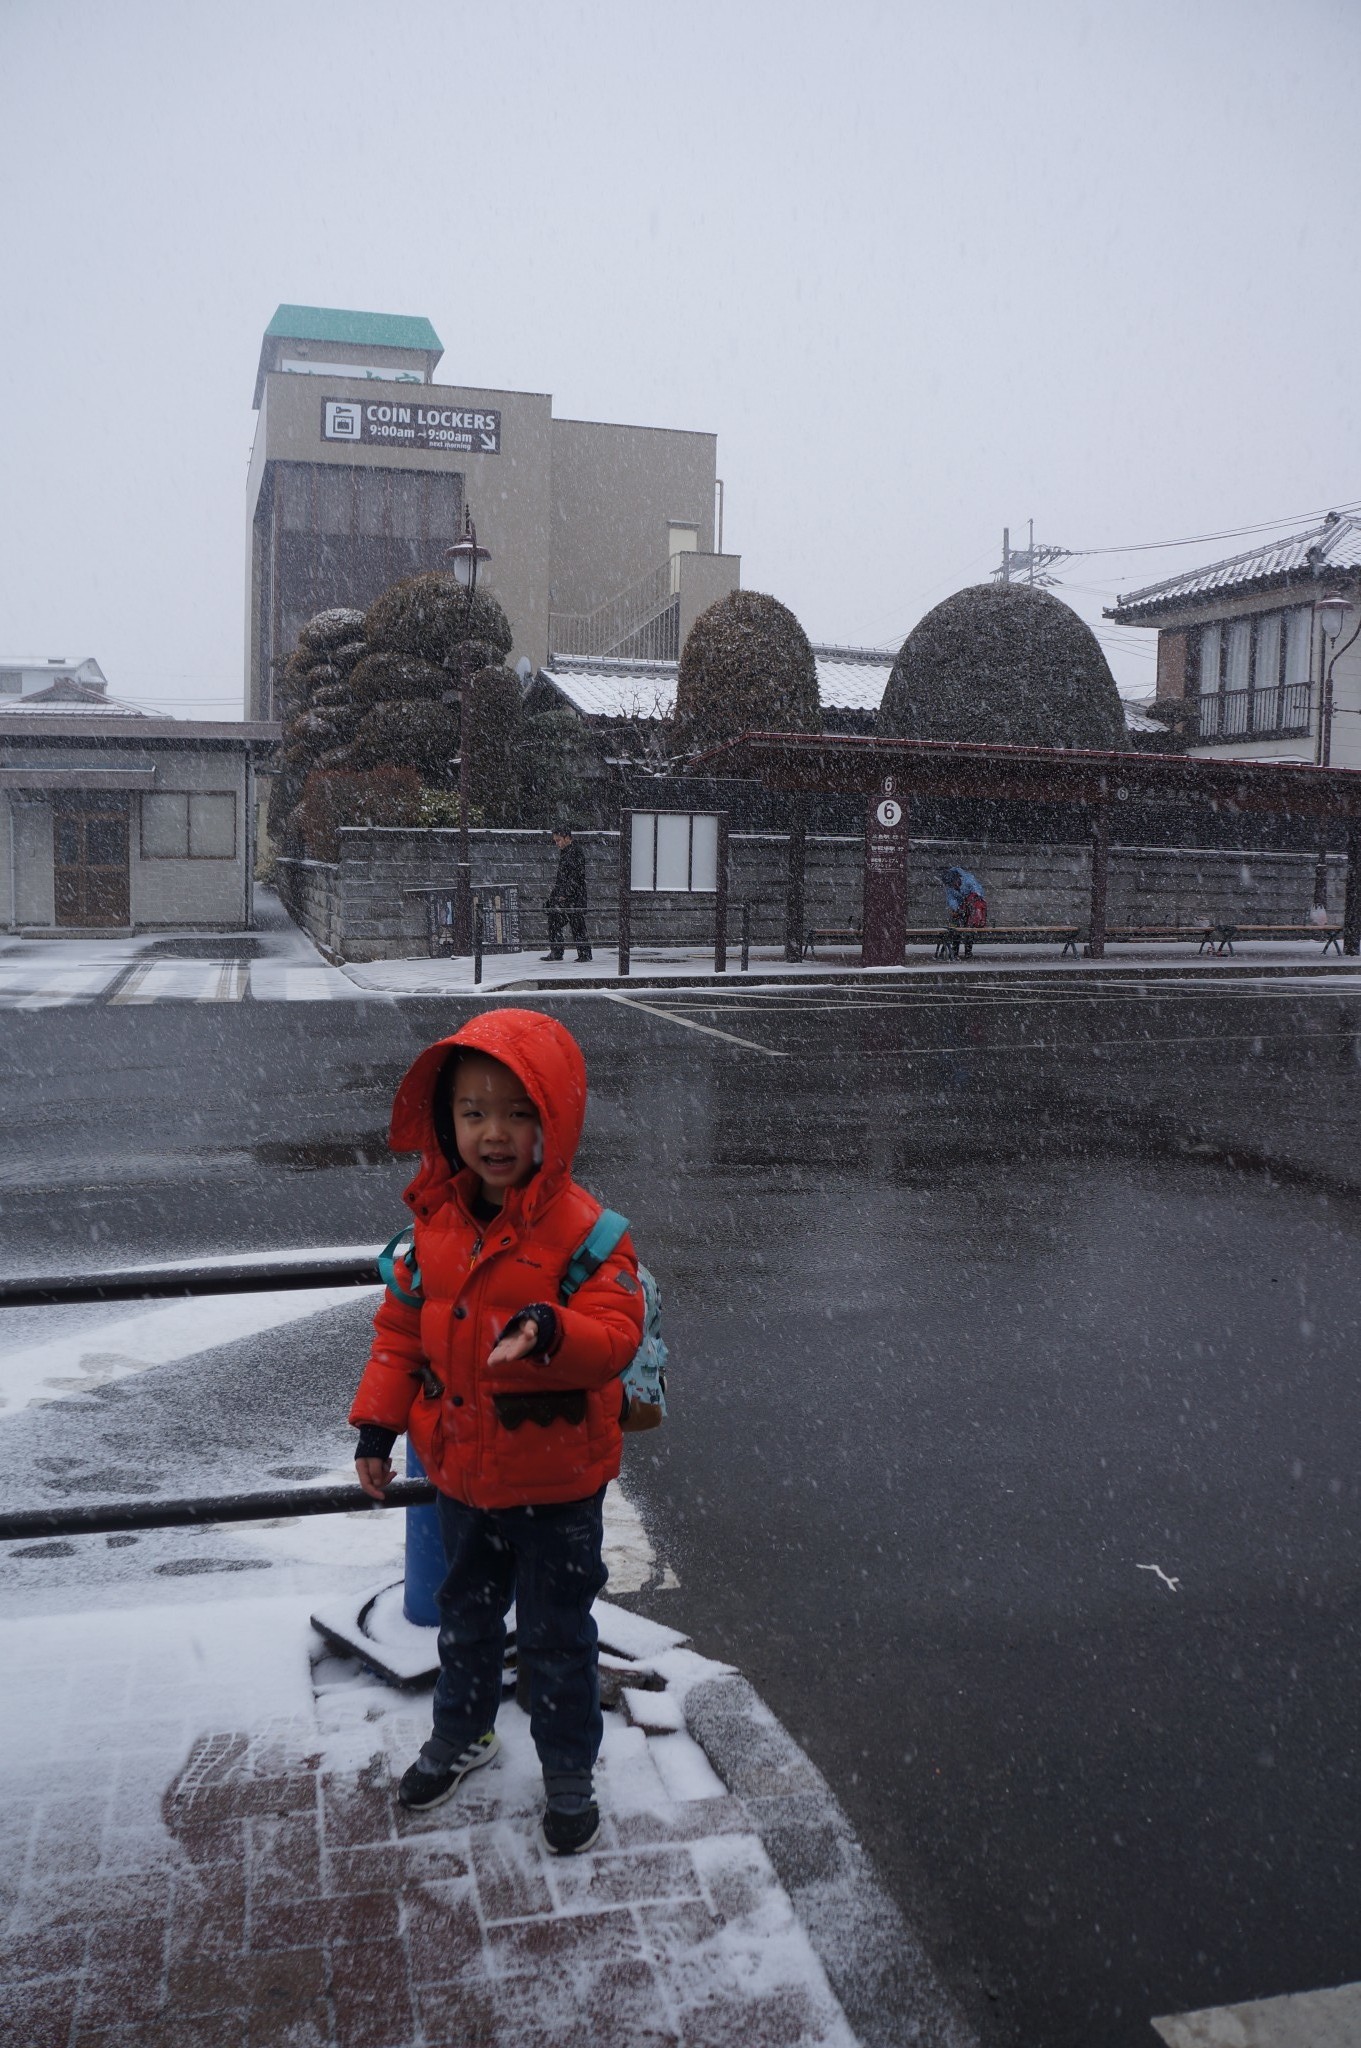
column 567, row 898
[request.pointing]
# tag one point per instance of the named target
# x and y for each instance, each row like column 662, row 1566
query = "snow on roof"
column 1335, row 545
column 849, row 679
column 62, row 699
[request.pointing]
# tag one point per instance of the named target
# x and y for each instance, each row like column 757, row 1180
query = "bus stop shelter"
column 890, row 773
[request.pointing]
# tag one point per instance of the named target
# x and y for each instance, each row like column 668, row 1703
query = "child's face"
column 496, row 1125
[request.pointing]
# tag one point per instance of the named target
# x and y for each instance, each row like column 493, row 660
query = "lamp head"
column 465, row 556
column 1331, row 611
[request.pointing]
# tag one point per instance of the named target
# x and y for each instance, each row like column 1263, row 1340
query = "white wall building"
column 1252, row 665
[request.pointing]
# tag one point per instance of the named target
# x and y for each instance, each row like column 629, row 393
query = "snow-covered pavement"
column 201, row 1844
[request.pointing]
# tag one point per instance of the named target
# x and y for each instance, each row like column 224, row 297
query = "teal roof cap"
column 366, row 330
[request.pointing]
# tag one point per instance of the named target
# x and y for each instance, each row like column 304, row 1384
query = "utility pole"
column 1006, row 554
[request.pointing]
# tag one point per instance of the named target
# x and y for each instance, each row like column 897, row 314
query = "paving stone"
column 672, row 1927
column 684, row 1822
column 779, row 2019
column 125, row 1972
column 464, row 2015
column 39, row 2014
column 356, row 1917
column 381, row 2018
column 54, row 1952
column 626, row 1878
column 508, row 1872
column 442, row 1929
column 306, row 2024
column 285, row 1860
column 373, row 1870
column 576, row 1938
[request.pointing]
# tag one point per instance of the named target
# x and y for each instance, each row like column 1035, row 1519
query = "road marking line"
column 688, row 1024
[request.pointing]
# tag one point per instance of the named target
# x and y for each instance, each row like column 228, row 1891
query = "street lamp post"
column 464, row 558
column 1330, row 612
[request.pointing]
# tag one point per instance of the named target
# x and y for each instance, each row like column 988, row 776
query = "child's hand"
column 374, row 1475
column 517, row 1341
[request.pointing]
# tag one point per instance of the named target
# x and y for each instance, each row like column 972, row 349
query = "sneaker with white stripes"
column 436, row 1775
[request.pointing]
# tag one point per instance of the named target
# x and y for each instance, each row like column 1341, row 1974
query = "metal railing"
column 1256, row 714
column 642, row 622
column 175, row 1280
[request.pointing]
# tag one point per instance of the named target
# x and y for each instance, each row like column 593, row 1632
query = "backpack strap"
column 591, row 1254
column 403, row 1247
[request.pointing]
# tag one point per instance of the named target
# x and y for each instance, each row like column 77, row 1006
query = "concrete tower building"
column 602, row 537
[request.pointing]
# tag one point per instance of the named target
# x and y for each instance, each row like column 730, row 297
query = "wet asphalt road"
column 980, row 1309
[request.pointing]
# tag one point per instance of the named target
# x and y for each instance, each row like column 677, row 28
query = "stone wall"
column 357, row 909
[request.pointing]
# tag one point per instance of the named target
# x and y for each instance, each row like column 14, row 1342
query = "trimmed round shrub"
column 409, row 734
column 746, row 667
column 345, row 657
column 383, row 676
column 332, row 628
column 430, row 616
column 493, row 740
column 323, row 726
column 1006, row 664
column 388, row 796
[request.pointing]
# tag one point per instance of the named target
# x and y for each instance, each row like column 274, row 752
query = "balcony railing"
column 1256, row 714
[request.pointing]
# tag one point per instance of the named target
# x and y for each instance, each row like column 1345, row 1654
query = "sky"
column 926, row 271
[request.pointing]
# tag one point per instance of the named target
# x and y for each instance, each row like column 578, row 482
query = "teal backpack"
column 643, row 1378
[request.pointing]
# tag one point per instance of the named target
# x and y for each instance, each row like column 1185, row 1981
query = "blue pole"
column 425, row 1565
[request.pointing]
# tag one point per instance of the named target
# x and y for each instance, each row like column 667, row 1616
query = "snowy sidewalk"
column 201, row 1847
column 658, row 967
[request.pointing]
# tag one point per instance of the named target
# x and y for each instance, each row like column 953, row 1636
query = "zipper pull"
column 477, row 1247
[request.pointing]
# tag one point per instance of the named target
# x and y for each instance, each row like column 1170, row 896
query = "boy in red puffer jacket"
column 511, row 1398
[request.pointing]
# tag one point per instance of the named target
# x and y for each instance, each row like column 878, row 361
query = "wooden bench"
column 829, row 935
column 952, row 937
column 943, row 937
column 1220, row 937
column 1161, row 934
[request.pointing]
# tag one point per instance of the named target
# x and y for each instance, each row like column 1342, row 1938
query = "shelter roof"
column 1334, row 548
column 849, row 765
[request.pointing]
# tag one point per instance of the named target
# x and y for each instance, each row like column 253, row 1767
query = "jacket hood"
column 550, row 1066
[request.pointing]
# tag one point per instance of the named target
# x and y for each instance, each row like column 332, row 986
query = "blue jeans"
column 547, row 1559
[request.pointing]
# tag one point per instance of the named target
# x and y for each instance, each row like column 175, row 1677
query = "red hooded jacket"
column 475, row 1278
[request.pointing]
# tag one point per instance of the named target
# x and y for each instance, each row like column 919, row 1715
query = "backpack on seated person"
column 975, row 910
column 643, row 1378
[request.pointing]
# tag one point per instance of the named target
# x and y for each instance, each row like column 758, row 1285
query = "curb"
column 890, row 1991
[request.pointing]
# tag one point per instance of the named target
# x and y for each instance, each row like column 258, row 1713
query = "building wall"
column 615, row 490
column 704, row 579
column 1172, row 651
column 508, row 493
column 163, row 893
column 356, row 909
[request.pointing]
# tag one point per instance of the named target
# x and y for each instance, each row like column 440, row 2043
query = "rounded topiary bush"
column 746, row 667
column 409, row 734
column 1003, row 663
column 493, row 738
column 430, row 617
column 383, row 676
column 332, row 628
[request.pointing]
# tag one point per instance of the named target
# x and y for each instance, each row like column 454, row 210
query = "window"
column 189, row 825
column 1254, row 676
column 11, row 681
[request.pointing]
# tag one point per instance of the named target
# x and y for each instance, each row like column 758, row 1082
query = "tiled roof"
column 849, row 679
column 1335, row 545
column 67, row 698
